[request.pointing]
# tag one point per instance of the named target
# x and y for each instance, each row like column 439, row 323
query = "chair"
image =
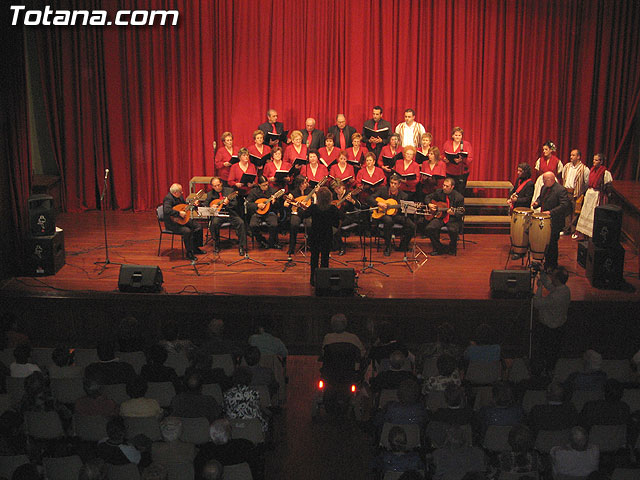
column 225, row 362
column 435, row 400
column 135, row 359
column 565, row 367
column 240, row 471
column 165, row 231
column 436, row 432
column 483, row 397
column 85, row 356
column 445, row 229
column 580, row 397
column 67, row 390
column 265, row 396
column 618, row 369
column 249, row 428
column 547, row 439
column 42, row 356
column 396, row 475
column 412, row 431
column 214, row 390
column 15, row 389
column 533, row 398
column 123, row 472
column 631, row 397
column 195, row 430
column 43, row 425
column 180, row 471
column 62, row 468
column 116, row 392
column 6, row 356
column 609, row 438
column 149, row 426
column 430, row 368
column 163, row 392
column 8, row 463
column 625, row 474
column 178, row 361
column 496, row 438
column 387, row 396
column 518, row 371
column 89, row 428
column 483, row 373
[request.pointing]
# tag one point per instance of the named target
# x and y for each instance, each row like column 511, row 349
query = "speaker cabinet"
column 582, row 253
column 607, row 223
column 42, row 216
column 140, row 278
column 510, row 283
column 44, row 255
column 605, row 266
column 335, row 282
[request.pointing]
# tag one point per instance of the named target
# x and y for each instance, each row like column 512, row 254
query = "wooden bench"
column 499, row 184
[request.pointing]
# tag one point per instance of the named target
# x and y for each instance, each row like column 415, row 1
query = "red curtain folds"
column 147, row 102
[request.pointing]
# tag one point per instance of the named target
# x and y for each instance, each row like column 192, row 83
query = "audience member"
column 63, row 366
column 260, row 375
column 447, row 374
column 139, row 405
column 201, row 364
column 591, row 378
column 457, row 457
column 93, row 469
column 557, row 414
column 539, row 379
column 242, row 401
column 504, row 411
column 578, row 458
column 172, row 449
column 399, row 458
column 28, row 471
column 391, row 379
column 38, row 398
column 155, row 471
column 155, row 370
column 216, row 343
column 212, row 470
column 386, row 343
column 610, row 411
column 446, row 342
column 340, row 335
column 483, row 348
column 114, row 449
column 95, row 402
column 109, row 370
column 171, row 342
column 192, row 403
column 266, row 342
column 457, row 411
column 21, row 368
column 408, row 409
column 130, row 335
column 11, row 335
column 522, row 458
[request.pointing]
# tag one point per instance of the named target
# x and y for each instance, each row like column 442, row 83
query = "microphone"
column 106, row 173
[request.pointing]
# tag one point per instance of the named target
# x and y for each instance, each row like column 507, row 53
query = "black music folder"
column 345, row 179
column 421, row 157
column 383, row 133
column 260, row 161
column 435, row 177
column 282, row 174
column 354, row 162
column 328, row 165
column 456, row 157
column 247, row 178
column 372, row 184
column 406, row 176
column 233, row 160
column 281, row 137
column 298, row 162
column 391, row 161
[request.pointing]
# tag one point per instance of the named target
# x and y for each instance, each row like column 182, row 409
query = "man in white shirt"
column 575, row 178
column 410, row 131
column 576, row 459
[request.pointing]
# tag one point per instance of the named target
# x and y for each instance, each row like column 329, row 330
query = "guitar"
column 188, row 208
column 306, row 199
column 353, row 192
column 441, row 210
column 297, row 205
column 267, row 202
column 392, row 208
column 216, row 205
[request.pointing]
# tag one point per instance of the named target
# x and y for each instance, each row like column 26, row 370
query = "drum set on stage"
column 530, row 234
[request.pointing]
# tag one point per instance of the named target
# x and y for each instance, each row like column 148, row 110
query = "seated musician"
column 380, row 199
column 219, row 197
column 444, row 214
column 191, row 231
column 346, row 204
column 257, row 198
column 301, row 190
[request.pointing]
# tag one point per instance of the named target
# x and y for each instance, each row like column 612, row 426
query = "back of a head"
column 483, row 334
column 116, row 429
column 502, row 394
column 220, row 431
column 521, row 439
column 193, row 382
column 22, row 353
column 170, row 330
column 446, row 334
column 28, row 471
column 592, row 360
column 454, row 395
column 397, row 359
column 106, row 350
column 446, row 365
column 409, row 392
column 555, row 392
column 157, row 354
column 339, row 323
column 91, row 387
column 561, row 275
column 171, row 429
column 155, row 471
column 397, row 439
column 579, row 438
column 242, row 376
column 252, row 356
column 216, row 327
column 212, row 470
column 93, row 469
column 137, row 387
column 613, row 390
column 456, row 437
column 61, row 357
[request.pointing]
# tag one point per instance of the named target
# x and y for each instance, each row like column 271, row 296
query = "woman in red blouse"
column 548, row 162
column 390, row 150
column 296, row 149
column 259, row 149
column 222, row 161
column 314, row 170
column 342, row 170
column 370, row 173
column 407, row 166
column 329, row 153
column 275, row 164
column 425, row 144
column 237, row 170
column 432, row 167
column 458, row 171
column 357, row 152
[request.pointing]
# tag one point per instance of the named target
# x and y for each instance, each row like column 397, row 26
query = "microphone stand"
column 247, row 257
column 363, row 239
column 403, row 208
column 194, row 263
column 106, row 261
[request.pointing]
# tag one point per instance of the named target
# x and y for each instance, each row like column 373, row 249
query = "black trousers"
column 236, row 222
column 407, row 229
column 433, row 232
column 191, row 234
column 319, row 252
column 294, row 227
column 272, row 224
column 551, row 254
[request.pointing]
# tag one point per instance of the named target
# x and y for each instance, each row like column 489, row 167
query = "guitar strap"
column 445, row 220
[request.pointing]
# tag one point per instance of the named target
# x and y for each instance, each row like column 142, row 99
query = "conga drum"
column 520, row 221
column 539, row 235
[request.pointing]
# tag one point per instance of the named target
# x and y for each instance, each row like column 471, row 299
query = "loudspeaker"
column 510, row 283
column 140, row 278
column 335, row 282
column 582, row 253
column 605, row 266
column 42, row 216
column 44, row 255
column 607, row 224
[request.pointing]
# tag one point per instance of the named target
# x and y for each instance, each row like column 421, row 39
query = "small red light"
column 353, row 389
column 320, row 385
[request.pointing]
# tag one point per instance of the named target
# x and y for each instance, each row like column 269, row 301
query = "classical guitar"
column 188, row 208
column 441, row 209
column 266, row 203
column 216, row 205
column 306, row 199
column 355, row 191
column 392, row 208
column 297, row 204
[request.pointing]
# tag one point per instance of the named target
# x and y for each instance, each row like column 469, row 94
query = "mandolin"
column 216, row 205
column 266, row 204
column 392, row 208
column 306, row 199
column 188, row 208
column 353, row 192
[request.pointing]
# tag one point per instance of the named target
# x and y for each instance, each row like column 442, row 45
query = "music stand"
column 247, row 257
column 363, row 236
column 405, row 260
column 413, row 208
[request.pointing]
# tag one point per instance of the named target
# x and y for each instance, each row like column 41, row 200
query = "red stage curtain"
column 147, row 102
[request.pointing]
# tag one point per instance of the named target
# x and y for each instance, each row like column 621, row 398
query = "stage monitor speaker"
column 42, row 216
column 582, row 253
column 605, row 266
column 607, row 223
column 44, row 255
column 335, row 282
column 510, row 283
column 140, row 278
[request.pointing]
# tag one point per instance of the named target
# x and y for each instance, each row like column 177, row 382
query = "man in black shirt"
column 393, row 192
column 191, row 231
column 259, row 197
column 229, row 207
column 451, row 217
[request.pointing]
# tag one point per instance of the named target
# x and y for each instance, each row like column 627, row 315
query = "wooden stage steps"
column 487, row 214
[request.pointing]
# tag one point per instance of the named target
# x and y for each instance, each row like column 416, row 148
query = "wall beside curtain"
column 147, row 102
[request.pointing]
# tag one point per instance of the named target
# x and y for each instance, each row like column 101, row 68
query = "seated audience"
column 340, row 335
column 482, row 348
column 95, row 402
column 21, row 368
column 386, row 343
column 399, row 458
column 171, row 449
column 170, row 340
column 266, row 342
column 446, row 342
column 93, row 469
column 38, row 398
column 610, row 411
column 408, row 409
column 522, row 458
column 591, row 378
column 557, row 414
column 139, row 405
column 457, row 411
column 578, row 458
column 155, row 471
column 109, row 370
column 115, row 450
column 130, row 334
column 216, row 343
column 539, row 379
column 212, row 470
column 392, row 378
column 260, row 375
column 504, row 411
column 63, row 366
column 192, row 403
column 155, row 370
column 447, row 374
column 201, row 364
column 242, row 401
column 457, row 458
column 11, row 335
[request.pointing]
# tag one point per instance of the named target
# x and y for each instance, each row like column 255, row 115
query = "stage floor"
column 133, row 239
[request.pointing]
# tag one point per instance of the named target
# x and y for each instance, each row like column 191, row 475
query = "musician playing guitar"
column 224, row 200
column 346, row 202
column 260, row 197
column 302, row 189
column 447, row 213
column 191, row 231
column 384, row 198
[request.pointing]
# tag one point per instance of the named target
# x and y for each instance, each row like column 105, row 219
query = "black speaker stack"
column 140, row 279
column 604, row 263
column 335, row 282
column 510, row 283
column 44, row 247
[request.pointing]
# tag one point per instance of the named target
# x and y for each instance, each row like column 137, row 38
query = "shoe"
column 290, row 252
column 565, row 232
column 276, row 246
column 216, row 249
column 517, row 256
column 341, row 252
column 241, row 251
column 436, row 253
column 190, row 256
column 264, row 245
column 199, row 251
column 387, row 252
